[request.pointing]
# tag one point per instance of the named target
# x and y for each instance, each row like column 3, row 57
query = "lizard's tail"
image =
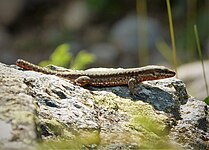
column 29, row 66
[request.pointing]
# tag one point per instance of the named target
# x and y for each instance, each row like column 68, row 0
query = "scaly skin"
column 107, row 77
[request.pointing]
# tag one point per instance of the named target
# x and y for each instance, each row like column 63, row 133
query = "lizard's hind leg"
column 82, row 80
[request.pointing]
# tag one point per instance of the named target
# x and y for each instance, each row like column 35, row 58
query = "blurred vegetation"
column 68, row 144
column 62, row 57
column 206, row 100
column 59, row 57
column 201, row 59
column 186, row 13
column 39, row 26
column 172, row 35
column 141, row 8
column 83, row 139
column 165, row 50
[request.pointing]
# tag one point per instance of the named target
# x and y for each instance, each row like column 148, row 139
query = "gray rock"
column 17, row 112
column 62, row 115
column 126, row 32
column 128, row 35
column 192, row 130
column 192, row 75
column 105, row 53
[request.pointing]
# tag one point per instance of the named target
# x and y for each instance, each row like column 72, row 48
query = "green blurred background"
column 105, row 33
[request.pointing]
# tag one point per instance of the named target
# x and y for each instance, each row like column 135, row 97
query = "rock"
column 192, row 129
column 17, row 112
column 35, row 106
column 105, row 53
column 128, row 36
column 192, row 75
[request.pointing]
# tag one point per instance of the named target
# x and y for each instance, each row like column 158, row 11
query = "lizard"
column 106, row 77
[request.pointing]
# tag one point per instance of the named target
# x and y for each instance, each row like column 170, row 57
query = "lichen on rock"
column 39, row 110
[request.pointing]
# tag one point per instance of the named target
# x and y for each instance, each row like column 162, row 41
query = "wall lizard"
column 107, row 77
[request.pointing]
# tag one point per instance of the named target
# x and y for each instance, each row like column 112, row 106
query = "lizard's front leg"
column 131, row 85
column 82, row 80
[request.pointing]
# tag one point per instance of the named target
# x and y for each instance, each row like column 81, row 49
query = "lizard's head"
column 156, row 72
column 161, row 72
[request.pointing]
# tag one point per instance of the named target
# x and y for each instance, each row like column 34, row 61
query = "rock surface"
column 48, row 112
column 192, row 75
